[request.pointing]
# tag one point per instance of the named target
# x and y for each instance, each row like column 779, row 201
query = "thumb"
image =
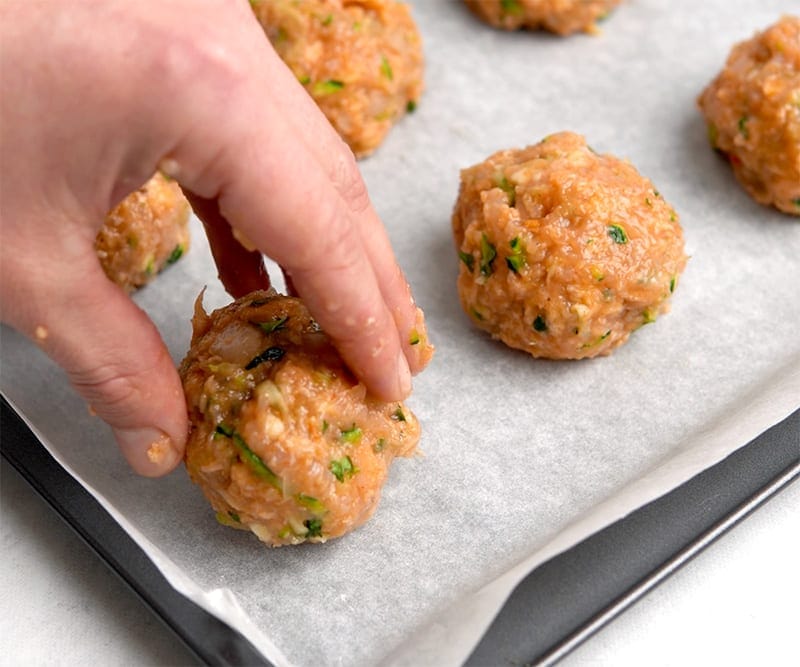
column 116, row 360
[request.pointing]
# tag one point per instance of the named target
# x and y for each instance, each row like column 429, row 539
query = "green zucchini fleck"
column 314, row 527
column 617, row 234
column 743, row 129
column 516, row 260
column 342, row 468
column 228, row 519
column 327, row 87
column 311, row 504
column 249, row 457
column 398, row 415
column 510, row 6
column 176, row 254
column 411, row 106
column 539, row 324
column 599, row 340
column 386, row 68
column 468, row 260
column 352, row 434
column 274, row 324
column 511, row 192
column 488, row 255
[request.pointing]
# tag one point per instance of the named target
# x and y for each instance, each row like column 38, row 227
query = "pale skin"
column 98, row 95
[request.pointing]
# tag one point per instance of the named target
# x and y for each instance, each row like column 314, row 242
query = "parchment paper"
column 523, row 458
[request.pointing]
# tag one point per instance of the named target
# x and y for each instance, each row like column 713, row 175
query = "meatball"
column 562, row 17
column 284, row 442
column 563, row 252
column 752, row 110
column 147, row 231
column 361, row 60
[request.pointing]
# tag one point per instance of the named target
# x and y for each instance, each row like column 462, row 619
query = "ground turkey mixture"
column 147, row 231
column 562, row 17
column 752, row 110
column 361, row 60
column 563, row 252
column 284, row 441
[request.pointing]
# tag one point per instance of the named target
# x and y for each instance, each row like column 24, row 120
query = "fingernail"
column 149, row 451
column 404, row 375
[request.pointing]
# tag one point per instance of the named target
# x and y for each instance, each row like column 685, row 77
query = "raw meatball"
column 559, row 16
column 564, row 252
column 284, row 441
column 753, row 113
column 361, row 60
column 147, row 231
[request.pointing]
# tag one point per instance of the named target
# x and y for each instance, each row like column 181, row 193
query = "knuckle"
column 106, row 390
column 213, row 61
column 331, row 246
column 117, row 394
column 347, row 179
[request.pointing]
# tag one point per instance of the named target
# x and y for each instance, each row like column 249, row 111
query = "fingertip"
column 417, row 347
column 149, row 451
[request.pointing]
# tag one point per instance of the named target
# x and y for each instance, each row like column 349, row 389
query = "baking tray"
column 554, row 609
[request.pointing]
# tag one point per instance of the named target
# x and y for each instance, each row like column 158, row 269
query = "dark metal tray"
column 555, row 608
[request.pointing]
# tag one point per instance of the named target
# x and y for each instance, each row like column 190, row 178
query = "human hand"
column 97, row 97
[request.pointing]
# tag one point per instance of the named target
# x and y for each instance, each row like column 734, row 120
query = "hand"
column 96, row 97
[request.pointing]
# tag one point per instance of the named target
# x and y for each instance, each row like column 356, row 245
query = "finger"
column 319, row 244
column 241, row 270
column 409, row 318
column 114, row 358
column 324, row 144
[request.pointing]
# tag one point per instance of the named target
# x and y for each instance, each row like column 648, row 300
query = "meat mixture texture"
column 145, row 232
column 563, row 252
column 752, row 109
column 284, row 441
column 562, row 17
column 360, row 60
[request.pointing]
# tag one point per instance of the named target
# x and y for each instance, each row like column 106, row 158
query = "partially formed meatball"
column 562, row 17
column 361, row 60
column 284, row 441
column 752, row 109
column 564, row 252
column 145, row 232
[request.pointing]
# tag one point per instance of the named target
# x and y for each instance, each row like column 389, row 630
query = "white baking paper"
column 522, row 457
